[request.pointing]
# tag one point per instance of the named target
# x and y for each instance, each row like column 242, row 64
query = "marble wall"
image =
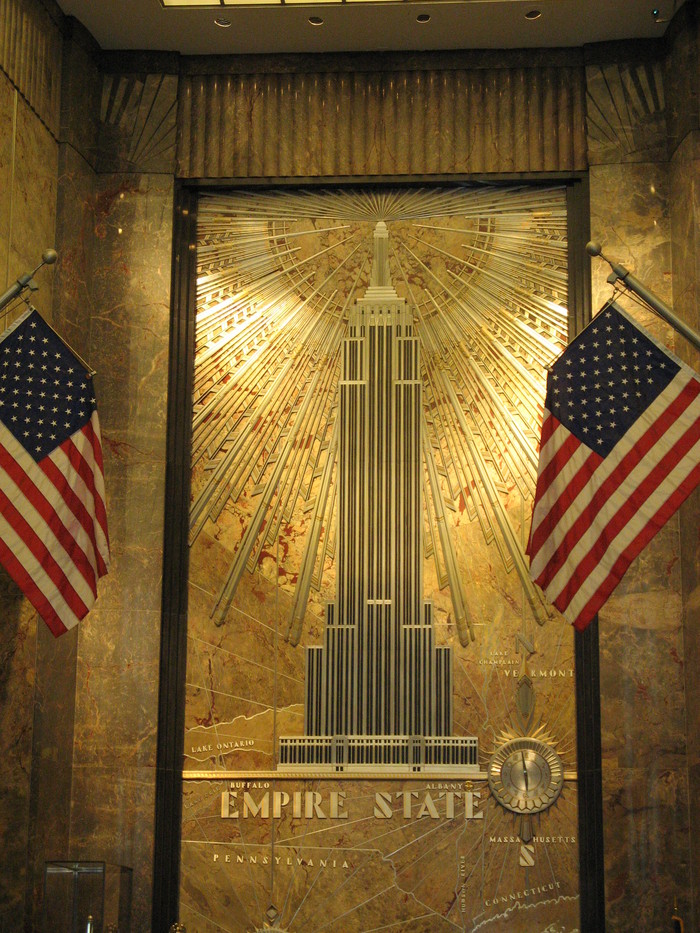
column 28, row 172
column 113, row 299
column 114, row 737
column 78, row 715
column 684, row 172
column 685, row 219
column 642, row 212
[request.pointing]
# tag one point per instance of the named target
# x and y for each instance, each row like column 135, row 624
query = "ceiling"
column 359, row 25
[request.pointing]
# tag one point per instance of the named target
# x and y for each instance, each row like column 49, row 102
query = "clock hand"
column 527, row 787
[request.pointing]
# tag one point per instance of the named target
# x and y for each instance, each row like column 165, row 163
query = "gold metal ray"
column 484, row 270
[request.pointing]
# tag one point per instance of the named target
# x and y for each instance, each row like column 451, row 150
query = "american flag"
column 53, row 523
column 620, row 451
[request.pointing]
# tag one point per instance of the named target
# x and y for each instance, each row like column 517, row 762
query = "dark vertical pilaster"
column 171, row 703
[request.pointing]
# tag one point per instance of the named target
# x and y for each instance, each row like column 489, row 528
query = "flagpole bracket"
column 48, row 258
column 620, row 274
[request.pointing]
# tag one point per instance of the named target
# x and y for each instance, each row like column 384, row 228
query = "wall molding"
column 401, row 121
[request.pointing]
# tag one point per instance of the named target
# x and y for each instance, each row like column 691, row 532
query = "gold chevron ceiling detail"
column 484, row 270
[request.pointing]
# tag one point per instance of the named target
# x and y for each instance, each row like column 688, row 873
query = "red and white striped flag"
column 53, row 523
column 620, row 451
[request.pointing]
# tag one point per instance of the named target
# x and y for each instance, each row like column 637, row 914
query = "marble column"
column 644, row 743
column 684, row 134
column 114, row 745
column 28, row 168
column 113, row 304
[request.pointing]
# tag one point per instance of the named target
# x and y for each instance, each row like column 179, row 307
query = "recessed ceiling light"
column 533, row 14
column 316, row 20
column 224, row 23
column 423, row 18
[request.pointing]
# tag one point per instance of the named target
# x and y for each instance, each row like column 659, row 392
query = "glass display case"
column 86, row 897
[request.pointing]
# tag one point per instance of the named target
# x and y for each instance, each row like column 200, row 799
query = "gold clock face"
column 525, row 775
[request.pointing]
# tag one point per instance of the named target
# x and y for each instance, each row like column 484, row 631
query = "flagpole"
column 619, row 273
column 48, row 258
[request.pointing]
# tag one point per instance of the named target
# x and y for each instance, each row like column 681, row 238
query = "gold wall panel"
column 402, row 121
column 380, row 711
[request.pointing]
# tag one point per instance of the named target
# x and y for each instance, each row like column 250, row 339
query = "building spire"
column 380, row 264
column 380, row 287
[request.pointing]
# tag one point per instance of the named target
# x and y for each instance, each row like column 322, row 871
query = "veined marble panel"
column 681, row 77
column 52, row 764
column 132, row 219
column 685, row 209
column 118, row 264
column 17, row 682
column 112, row 820
column 630, row 218
column 685, row 223
column 80, row 97
column 33, row 203
column 7, row 119
column 28, row 158
column 76, row 199
column 55, row 698
column 645, row 784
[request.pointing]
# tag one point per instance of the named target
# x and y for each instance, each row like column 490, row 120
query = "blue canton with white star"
column 605, row 379
column 46, row 394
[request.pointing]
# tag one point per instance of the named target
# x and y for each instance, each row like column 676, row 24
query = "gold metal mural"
column 380, row 715
column 489, row 291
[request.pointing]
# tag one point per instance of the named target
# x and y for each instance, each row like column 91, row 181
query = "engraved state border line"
column 341, row 776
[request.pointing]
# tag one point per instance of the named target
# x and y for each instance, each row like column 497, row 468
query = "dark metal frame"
column 587, row 663
column 171, row 706
column 173, row 644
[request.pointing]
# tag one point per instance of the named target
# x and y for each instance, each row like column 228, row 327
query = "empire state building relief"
column 380, row 705
column 379, row 691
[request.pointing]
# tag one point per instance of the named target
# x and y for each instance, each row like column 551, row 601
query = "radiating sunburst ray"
column 485, row 271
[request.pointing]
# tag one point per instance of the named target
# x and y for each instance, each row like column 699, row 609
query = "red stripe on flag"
column 561, row 504
column 42, row 555
column 47, row 510
column 631, row 507
column 96, row 441
column 562, row 456
column 94, row 437
column 75, row 504
column 25, row 582
column 85, row 471
column 549, row 426
column 635, row 547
